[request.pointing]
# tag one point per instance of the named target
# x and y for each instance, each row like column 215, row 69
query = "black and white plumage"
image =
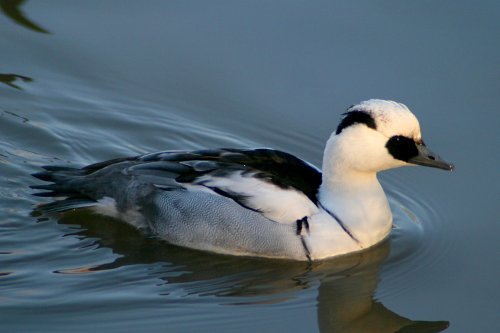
column 258, row 202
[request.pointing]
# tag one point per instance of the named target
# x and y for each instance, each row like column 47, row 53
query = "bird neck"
column 356, row 198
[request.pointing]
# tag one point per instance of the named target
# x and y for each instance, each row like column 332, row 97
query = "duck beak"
column 427, row 158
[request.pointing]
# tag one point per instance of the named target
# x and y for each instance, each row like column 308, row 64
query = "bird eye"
column 402, row 147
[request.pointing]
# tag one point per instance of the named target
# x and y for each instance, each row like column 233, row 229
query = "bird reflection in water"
column 346, row 284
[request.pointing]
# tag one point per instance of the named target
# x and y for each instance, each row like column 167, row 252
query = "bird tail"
column 65, row 183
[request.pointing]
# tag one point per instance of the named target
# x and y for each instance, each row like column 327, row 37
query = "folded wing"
column 278, row 185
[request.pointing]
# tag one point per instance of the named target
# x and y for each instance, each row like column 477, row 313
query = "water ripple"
column 417, row 242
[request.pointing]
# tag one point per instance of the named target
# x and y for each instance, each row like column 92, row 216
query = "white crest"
column 391, row 118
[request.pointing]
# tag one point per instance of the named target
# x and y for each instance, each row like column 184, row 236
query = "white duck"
column 257, row 202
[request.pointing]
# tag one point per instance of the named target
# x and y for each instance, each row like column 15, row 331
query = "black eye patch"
column 356, row 117
column 402, row 148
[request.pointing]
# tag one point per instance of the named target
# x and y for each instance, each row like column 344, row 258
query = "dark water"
column 91, row 80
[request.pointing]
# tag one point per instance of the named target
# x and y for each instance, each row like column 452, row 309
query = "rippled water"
column 88, row 81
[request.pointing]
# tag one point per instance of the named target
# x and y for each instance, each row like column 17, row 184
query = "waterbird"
column 257, row 202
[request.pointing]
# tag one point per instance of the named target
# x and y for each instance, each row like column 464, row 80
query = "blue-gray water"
column 90, row 80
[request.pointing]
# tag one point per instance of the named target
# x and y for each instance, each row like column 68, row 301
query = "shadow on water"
column 344, row 303
column 9, row 80
column 11, row 9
